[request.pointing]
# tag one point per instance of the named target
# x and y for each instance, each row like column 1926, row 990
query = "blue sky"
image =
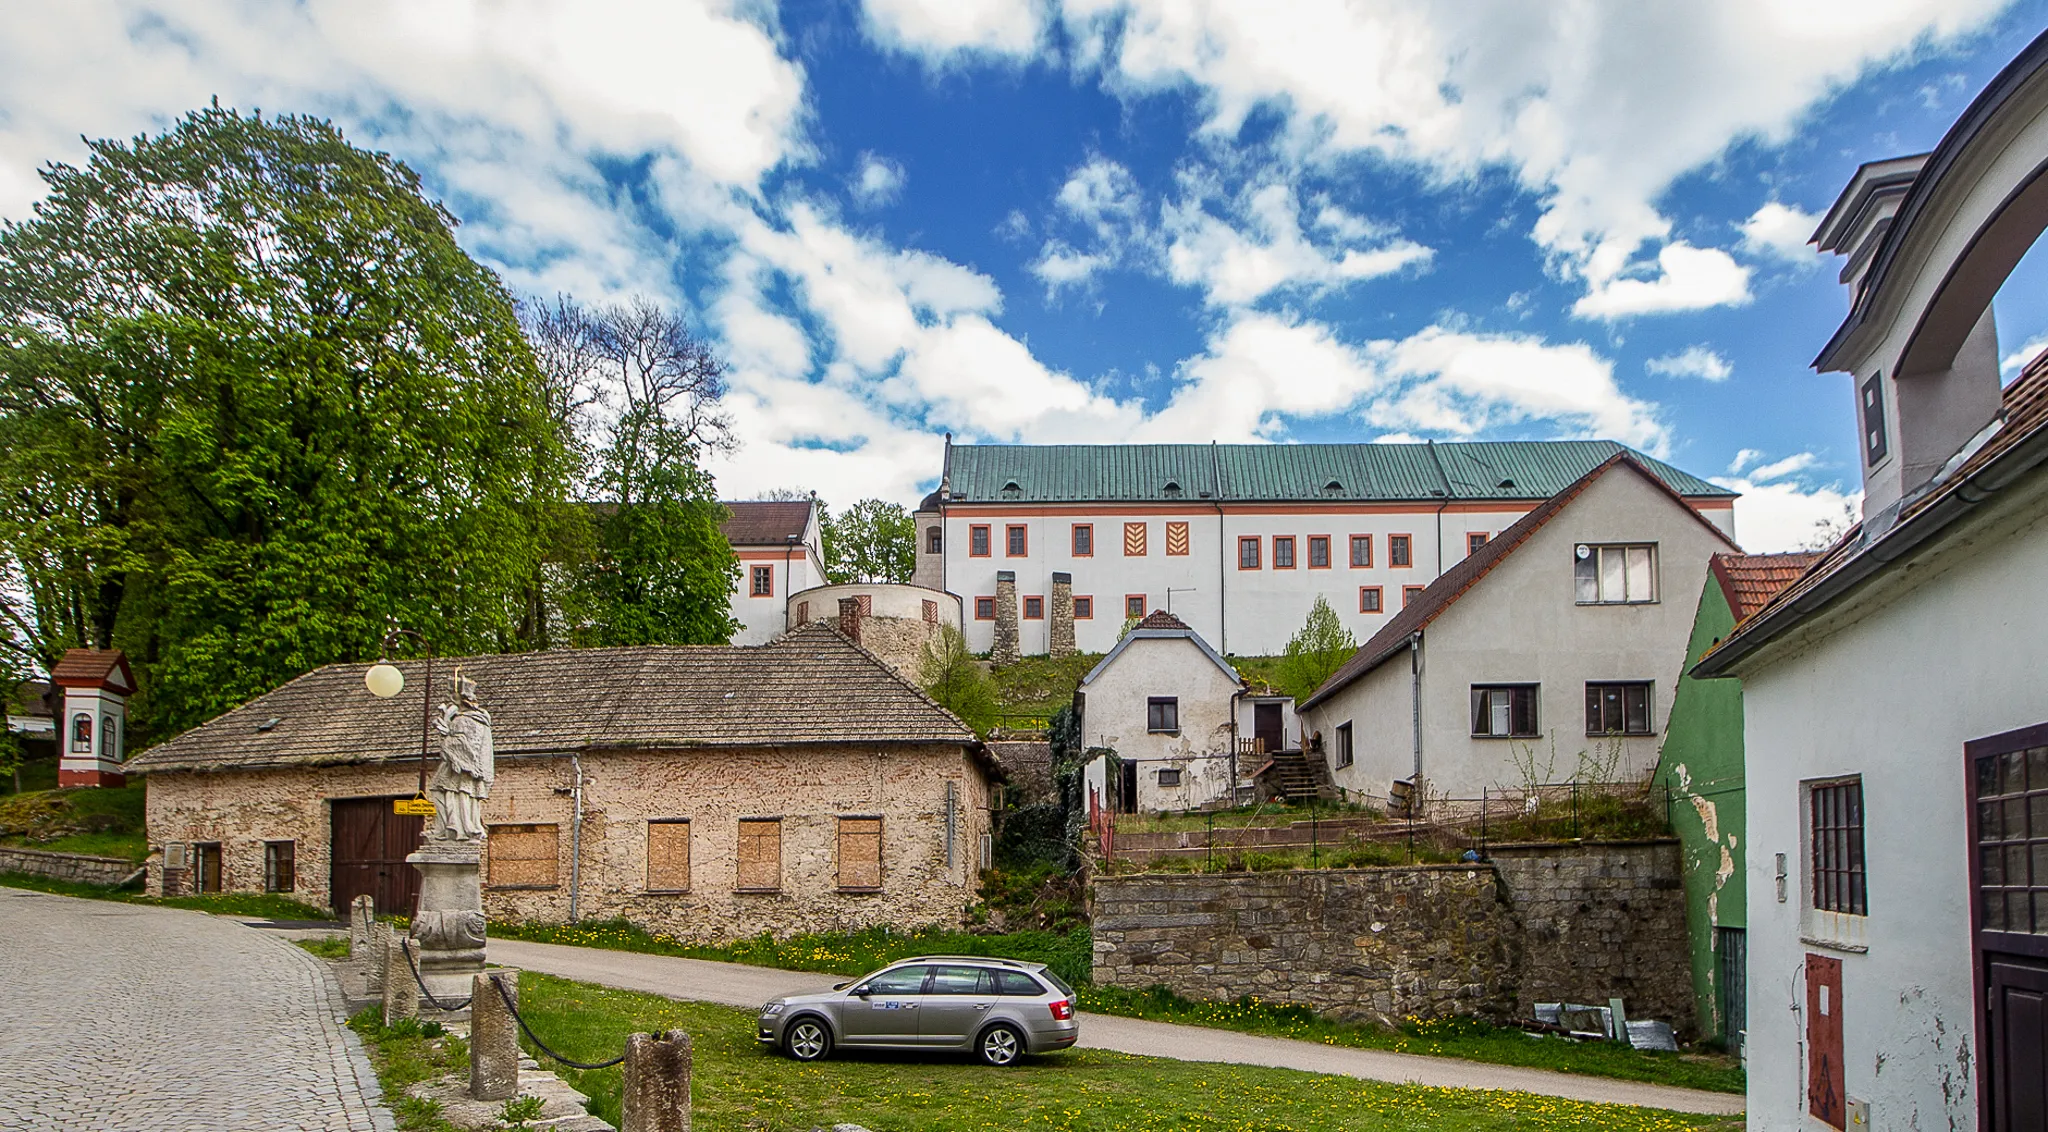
column 1118, row 220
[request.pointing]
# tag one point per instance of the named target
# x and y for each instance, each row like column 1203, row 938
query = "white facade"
column 788, row 566
column 1522, row 625
column 1183, row 760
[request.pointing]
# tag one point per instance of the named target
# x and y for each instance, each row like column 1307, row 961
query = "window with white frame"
column 1615, row 574
column 1344, row 751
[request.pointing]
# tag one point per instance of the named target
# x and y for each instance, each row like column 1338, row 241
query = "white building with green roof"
column 1237, row 540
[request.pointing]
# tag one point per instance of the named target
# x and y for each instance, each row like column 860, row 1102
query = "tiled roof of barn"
column 810, row 686
column 1749, row 581
column 1523, row 470
column 766, row 522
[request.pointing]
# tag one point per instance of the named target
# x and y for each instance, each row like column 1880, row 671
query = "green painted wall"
column 1701, row 763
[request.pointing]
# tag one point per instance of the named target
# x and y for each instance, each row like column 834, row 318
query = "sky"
column 1105, row 221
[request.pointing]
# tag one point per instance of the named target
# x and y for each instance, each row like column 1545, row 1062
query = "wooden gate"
column 369, row 845
column 2008, row 822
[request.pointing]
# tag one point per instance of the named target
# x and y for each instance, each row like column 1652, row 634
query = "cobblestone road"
column 125, row 1018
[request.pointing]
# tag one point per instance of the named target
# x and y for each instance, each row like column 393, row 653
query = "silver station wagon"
column 1000, row 1009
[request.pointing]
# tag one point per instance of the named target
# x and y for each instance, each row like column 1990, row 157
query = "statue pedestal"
column 450, row 923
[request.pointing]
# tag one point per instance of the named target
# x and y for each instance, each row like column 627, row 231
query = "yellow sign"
column 413, row 806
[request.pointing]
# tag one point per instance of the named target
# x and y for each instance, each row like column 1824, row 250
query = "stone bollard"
column 362, row 919
column 376, row 957
column 657, row 1085
column 493, row 1038
column 401, row 993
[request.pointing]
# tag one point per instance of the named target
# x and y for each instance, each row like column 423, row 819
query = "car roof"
column 987, row 960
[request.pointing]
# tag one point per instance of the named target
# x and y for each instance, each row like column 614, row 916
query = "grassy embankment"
column 96, row 820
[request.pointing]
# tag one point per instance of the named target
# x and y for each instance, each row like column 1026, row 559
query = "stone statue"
column 463, row 781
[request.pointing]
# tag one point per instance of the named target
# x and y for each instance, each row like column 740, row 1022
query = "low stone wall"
column 66, row 866
column 1539, row 923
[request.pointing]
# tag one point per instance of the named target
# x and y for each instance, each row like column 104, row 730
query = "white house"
column 1238, row 540
column 781, row 548
column 92, row 725
column 1895, row 714
column 1566, row 633
column 1174, row 712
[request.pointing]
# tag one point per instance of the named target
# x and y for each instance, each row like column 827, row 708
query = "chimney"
column 1062, row 643
column 1005, row 648
column 849, row 618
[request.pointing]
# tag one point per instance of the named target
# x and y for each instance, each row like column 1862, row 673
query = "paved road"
column 126, row 1018
column 737, row 985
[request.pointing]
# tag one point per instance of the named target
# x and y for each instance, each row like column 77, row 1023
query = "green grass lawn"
column 1041, row 685
column 102, row 821
column 409, row 1053
column 254, row 905
column 740, row 1086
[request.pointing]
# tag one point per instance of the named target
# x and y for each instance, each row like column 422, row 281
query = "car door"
column 883, row 1010
column 955, row 1002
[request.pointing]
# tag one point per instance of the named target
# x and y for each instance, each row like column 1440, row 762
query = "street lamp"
column 384, row 681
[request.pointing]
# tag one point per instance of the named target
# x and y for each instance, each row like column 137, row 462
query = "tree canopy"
column 956, row 680
column 1315, row 652
column 874, row 541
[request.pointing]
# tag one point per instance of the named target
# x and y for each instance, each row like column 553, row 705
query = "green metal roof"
column 1507, row 470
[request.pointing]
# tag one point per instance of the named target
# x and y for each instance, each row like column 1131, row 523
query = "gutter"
column 1416, row 792
column 1959, row 502
column 1438, row 461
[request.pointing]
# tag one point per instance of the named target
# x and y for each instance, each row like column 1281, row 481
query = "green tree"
column 874, row 541
column 256, row 406
column 1321, row 646
column 952, row 676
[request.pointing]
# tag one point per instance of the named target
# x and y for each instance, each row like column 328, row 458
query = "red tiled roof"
column 1161, row 619
column 767, row 523
column 1452, row 583
column 1749, row 581
column 93, row 668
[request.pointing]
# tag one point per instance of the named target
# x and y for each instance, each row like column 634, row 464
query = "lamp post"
column 384, row 681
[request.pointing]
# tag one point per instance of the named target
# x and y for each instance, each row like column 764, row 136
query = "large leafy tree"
column 256, row 406
column 1315, row 652
column 874, row 541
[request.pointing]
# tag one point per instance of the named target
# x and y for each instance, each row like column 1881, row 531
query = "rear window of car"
column 1017, row 982
column 1055, row 980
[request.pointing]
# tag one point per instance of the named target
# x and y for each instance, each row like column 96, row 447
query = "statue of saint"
column 463, row 781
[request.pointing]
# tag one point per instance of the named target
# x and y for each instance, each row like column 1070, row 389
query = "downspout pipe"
column 1440, row 474
column 1416, row 793
column 1222, row 554
column 576, row 839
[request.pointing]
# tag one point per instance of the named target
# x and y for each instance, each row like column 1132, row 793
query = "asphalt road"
column 737, row 985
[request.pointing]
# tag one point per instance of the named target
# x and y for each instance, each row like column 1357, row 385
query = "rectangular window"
column 1618, row 708
column 803, row 613
column 1361, row 551
column 934, row 540
column 860, row 854
column 764, row 581
column 760, row 864
column 1408, row 594
column 1504, row 711
column 978, row 541
column 1034, row 609
column 1474, row 541
column 1400, row 551
column 1177, row 540
column 1319, row 552
column 1084, row 608
column 1134, row 605
column 668, row 855
column 1014, row 541
column 1368, row 599
column 984, row 609
column 1084, row 540
column 1134, row 540
column 521, row 856
column 1875, row 445
column 1162, row 714
column 1248, row 552
column 280, row 866
column 1344, row 750
column 931, row 611
column 1283, row 552
column 1169, row 776
column 1615, row 575
column 1836, row 828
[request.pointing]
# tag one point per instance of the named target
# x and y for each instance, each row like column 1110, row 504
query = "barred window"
column 1835, row 819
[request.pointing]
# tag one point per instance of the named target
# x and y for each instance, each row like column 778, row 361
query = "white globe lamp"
column 384, row 680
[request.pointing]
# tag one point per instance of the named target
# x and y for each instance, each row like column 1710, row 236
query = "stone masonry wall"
column 1541, row 923
column 1358, row 944
column 65, row 866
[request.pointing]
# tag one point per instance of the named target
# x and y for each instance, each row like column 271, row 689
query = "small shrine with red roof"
column 92, row 727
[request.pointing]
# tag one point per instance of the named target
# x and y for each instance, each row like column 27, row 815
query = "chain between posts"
column 424, row 992
column 543, row 1046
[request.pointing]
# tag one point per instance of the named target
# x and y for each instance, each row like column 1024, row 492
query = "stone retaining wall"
column 66, row 866
column 1540, row 923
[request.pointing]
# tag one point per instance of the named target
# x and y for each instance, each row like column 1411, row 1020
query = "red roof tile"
column 767, row 523
column 1749, row 581
column 93, row 668
column 1161, row 619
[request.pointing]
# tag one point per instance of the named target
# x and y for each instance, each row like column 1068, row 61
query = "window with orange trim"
column 1034, row 608
column 1474, row 541
column 1369, row 599
column 985, row 609
column 1408, row 594
column 1400, row 551
column 1319, row 552
column 1283, row 552
column 1361, row 551
column 1015, row 541
column 1084, row 609
column 978, row 541
column 1248, row 552
column 1084, row 540
column 1134, row 605
column 764, row 581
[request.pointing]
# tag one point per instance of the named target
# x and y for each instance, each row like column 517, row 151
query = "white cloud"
column 2027, row 351
column 1779, row 469
column 1743, row 459
column 1693, row 361
column 1463, row 384
column 1784, row 514
column 1239, row 265
column 1256, row 368
column 1688, row 278
column 877, row 182
column 1781, row 232
column 1102, row 198
column 939, row 28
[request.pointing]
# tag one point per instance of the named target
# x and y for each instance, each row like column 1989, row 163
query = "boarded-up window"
column 522, row 856
column 760, row 855
column 860, row 853
column 668, row 856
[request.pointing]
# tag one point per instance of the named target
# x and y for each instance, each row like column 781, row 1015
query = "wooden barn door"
column 369, row 848
column 2008, row 829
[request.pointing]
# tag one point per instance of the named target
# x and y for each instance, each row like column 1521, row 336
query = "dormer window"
column 1171, row 490
column 1011, row 490
column 1334, row 487
column 1872, row 405
column 81, row 733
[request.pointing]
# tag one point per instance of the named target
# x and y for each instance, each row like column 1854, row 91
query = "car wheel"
column 807, row 1039
column 1000, row 1045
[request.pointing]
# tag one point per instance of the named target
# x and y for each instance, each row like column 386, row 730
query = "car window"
column 1017, row 982
column 960, row 980
column 1055, row 980
column 901, row 980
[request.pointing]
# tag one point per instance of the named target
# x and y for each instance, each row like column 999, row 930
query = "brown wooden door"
column 206, row 866
column 1266, row 726
column 369, row 848
column 2008, row 830
column 1826, row 1095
